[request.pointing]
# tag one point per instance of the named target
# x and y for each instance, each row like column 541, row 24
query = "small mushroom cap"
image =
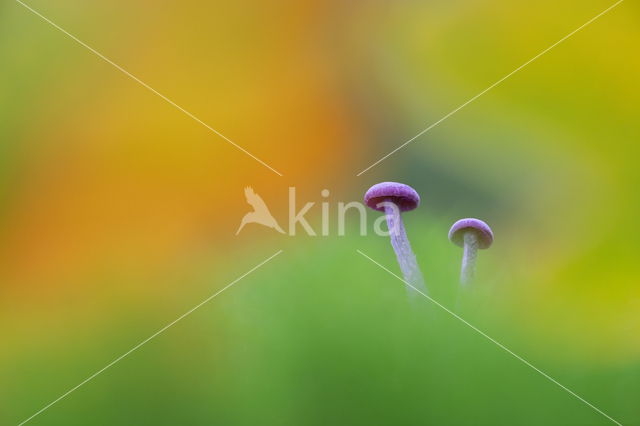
column 482, row 230
column 405, row 197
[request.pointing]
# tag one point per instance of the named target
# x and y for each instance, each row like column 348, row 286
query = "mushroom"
column 392, row 198
column 472, row 234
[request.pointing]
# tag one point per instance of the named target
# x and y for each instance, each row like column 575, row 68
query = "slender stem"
column 468, row 271
column 406, row 258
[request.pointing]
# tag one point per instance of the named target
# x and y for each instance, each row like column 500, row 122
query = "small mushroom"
column 472, row 234
column 392, row 198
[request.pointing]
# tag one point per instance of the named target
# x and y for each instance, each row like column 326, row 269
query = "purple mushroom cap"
column 405, row 197
column 482, row 230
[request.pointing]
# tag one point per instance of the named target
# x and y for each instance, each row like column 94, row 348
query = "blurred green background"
column 118, row 212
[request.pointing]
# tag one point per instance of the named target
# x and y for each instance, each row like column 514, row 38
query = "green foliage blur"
column 321, row 335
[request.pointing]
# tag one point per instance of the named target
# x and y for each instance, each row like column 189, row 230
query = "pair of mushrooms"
column 392, row 198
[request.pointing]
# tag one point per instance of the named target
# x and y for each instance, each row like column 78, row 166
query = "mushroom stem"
column 406, row 258
column 468, row 271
